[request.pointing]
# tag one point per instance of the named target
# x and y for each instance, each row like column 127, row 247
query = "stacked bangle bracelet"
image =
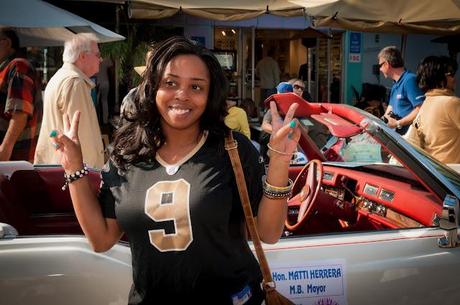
column 69, row 178
column 276, row 192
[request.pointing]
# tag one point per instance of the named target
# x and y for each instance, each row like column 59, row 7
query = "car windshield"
column 364, row 147
column 356, row 149
column 448, row 173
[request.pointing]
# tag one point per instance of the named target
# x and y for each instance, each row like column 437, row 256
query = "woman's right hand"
column 68, row 145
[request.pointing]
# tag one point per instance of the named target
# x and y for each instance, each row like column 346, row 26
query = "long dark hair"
column 138, row 139
column 433, row 70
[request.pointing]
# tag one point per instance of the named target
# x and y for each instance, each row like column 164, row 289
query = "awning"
column 39, row 23
column 212, row 9
column 395, row 16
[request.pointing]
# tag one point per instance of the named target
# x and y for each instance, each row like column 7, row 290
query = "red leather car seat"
column 11, row 210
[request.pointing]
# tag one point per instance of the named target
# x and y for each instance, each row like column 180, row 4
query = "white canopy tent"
column 391, row 16
column 212, row 9
column 41, row 24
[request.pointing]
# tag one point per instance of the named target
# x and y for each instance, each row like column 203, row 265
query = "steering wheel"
column 305, row 195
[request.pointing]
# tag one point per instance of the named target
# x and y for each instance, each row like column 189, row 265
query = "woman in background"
column 436, row 129
column 237, row 119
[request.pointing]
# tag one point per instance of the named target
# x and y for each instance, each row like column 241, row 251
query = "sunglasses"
column 297, row 87
column 381, row 64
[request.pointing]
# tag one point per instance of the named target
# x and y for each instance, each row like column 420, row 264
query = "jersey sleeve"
column 109, row 178
column 253, row 168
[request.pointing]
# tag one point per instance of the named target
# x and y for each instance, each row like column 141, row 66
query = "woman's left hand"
column 286, row 132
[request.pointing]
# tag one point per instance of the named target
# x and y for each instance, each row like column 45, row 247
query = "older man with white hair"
column 67, row 92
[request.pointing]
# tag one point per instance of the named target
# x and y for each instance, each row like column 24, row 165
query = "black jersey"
column 185, row 225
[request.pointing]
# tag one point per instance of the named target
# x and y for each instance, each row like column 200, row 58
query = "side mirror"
column 449, row 222
column 7, row 231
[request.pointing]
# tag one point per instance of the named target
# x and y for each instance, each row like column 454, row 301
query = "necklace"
column 172, row 169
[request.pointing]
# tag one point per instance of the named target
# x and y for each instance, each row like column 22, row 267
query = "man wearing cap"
column 283, row 87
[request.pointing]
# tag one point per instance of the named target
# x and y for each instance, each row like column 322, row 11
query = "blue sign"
column 355, row 42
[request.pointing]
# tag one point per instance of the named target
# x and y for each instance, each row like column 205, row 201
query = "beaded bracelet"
column 277, row 192
column 69, row 178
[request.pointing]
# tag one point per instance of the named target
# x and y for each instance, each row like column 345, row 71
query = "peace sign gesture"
column 68, row 145
column 285, row 132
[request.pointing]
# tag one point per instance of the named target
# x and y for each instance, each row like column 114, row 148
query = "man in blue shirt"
column 405, row 97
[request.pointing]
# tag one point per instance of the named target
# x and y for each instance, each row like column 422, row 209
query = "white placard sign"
column 312, row 283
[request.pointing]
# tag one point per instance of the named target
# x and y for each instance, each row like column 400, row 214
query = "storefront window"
column 46, row 61
column 226, row 51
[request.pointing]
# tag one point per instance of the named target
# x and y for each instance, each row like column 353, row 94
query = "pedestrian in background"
column 436, row 129
column 20, row 101
column 283, row 87
column 103, row 90
column 264, row 137
column 127, row 104
column 268, row 72
column 237, row 119
column 372, row 99
column 169, row 185
column 69, row 91
column 298, row 87
column 405, row 96
column 249, row 106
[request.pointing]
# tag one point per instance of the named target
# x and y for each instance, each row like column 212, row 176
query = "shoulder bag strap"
column 231, row 146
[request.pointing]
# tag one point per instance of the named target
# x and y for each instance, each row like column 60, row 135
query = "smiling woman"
column 169, row 184
column 182, row 94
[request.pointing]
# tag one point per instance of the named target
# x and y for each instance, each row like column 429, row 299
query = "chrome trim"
column 449, row 222
column 7, row 231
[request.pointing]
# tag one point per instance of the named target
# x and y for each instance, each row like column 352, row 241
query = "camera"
column 391, row 114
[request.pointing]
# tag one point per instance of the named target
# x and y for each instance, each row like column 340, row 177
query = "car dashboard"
column 374, row 198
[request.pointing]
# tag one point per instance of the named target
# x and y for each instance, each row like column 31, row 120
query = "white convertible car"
column 372, row 220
